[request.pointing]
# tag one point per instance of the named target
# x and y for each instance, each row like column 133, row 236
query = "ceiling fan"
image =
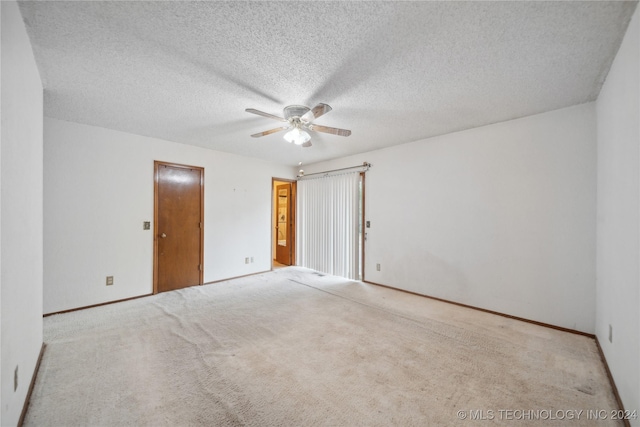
column 299, row 120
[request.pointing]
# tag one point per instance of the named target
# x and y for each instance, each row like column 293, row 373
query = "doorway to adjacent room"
column 283, row 222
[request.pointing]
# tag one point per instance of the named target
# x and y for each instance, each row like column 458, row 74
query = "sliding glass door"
column 330, row 224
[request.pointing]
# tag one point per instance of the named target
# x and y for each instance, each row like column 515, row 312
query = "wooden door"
column 284, row 233
column 179, row 228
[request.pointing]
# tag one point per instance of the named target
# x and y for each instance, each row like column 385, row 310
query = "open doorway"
column 283, row 222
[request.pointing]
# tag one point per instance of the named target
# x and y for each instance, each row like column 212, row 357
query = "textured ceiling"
column 394, row 72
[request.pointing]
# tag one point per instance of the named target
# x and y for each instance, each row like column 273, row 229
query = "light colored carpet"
column 293, row 347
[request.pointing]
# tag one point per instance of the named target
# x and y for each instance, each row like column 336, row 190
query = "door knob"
column 163, row 235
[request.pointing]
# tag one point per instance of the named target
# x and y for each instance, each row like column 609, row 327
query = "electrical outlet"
column 15, row 379
column 610, row 334
column 246, row 260
column 378, row 267
column 109, row 280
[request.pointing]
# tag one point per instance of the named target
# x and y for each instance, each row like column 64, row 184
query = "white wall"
column 21, row 214
column 500, row 217
column 618, row 260
column 98, row 192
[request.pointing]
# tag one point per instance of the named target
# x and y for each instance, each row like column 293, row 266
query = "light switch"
column 146, row 225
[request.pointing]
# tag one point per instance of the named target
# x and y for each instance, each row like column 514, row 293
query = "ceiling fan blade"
column 263, row 114
column 269, row 132
column 315, row 112
column 327, row 129
column 307, row 144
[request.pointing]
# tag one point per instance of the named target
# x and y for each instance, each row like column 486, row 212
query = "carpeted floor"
column 293, row 347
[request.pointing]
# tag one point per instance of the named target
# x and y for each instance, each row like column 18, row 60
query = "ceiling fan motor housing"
column 295, row 111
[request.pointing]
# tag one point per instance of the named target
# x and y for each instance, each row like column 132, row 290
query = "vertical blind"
column 328, row 224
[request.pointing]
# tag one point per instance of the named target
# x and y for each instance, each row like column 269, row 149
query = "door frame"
column 156, row 165
column 363, row 225
column 293, row 183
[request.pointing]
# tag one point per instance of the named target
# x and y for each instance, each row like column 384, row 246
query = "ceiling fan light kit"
column 299, row 119
column 297, row 136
